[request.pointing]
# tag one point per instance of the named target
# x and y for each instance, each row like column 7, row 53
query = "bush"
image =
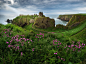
column 59, row 26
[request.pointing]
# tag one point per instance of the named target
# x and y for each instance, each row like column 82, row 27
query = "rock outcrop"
column 31, row 20
column 65, row 17
column 23, row 20
column 44, row 22
column 41, row 14
column 74, row 25
column 76, row 19
column 9, row 21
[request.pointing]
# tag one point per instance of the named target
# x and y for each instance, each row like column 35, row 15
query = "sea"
column 3, row 19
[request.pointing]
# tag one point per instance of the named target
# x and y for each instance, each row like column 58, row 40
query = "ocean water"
column 3, row 19
column 57, row 21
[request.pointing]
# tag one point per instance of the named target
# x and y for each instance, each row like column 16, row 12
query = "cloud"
column 28, row 10
column 12, row 1
column 81, row 9
column 72, row 0
column 8, row 9
column 46, row 6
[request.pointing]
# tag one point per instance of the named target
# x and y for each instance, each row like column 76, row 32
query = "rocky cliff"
column 65, row 17
column 76, row 20
column 44, row 22
column 24, row 20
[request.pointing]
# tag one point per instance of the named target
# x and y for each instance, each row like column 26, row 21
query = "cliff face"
column 74, row 19
column 23, row 20
column 77, row 19
column 65, row 17
column 44, row 22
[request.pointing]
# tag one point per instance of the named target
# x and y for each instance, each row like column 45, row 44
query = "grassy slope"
column 77, row 18
column 46, row 49
column 20, row 20
column 81, row 35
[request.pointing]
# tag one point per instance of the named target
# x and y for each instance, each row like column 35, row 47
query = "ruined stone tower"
column 41, row 14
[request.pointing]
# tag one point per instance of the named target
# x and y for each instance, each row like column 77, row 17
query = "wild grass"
column 29, row 46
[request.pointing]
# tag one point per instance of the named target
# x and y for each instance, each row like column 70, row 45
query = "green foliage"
column 59, row 26
column 76, row 18
column 81, row 35
column 21, row 20
column 15, row 28
column 44, row 49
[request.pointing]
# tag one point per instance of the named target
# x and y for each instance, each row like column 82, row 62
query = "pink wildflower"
column 33, row 49
column 58, row 57
column 21, row 53
column 69, row 46
column 84, row 44
column 27, row 39
column 57, row 46
column 59, row 43
column 7, row 42
column 61, row 58
column 64, row 47
column 31, row 40
column 72, row 45
column 9, row 46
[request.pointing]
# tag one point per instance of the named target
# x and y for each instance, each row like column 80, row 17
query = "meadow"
column 30, row 46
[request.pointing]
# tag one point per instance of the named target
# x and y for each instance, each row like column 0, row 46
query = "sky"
column 48, row 7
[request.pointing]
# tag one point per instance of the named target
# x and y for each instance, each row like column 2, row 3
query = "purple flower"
column 84, row 44
column 23, row 38
column 33, row 49
column 21, row 53
column 31, row 40
column 69, row 46
column 7, row 42
column 58, row 41
column 64, row 47
column 55, row 53
column 72, row 45
column 58, row 57
column 36, row 36
column 73, row 41
column 27, row 39
column 5, row 32
column 61, row 58
column 76, row 46
column 9, row 46
column 57, row 46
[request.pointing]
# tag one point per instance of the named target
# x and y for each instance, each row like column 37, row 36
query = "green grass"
column 30, row 46
column 40, row 50
column 81, row 35
column 75, row 30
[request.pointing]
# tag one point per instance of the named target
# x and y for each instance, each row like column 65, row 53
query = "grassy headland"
column 26, row 45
